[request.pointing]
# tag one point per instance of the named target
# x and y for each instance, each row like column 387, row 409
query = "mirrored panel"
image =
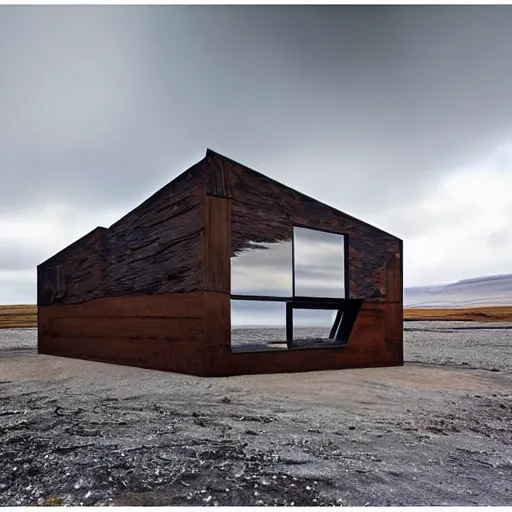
column 263, row 269
column 313, row 328
column 258, row 325
column 319, row 263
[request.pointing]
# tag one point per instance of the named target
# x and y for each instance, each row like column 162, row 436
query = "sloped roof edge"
column 212, row 153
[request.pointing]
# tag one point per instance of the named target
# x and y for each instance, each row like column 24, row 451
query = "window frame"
column 342, row 303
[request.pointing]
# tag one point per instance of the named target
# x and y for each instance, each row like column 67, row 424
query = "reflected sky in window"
column 319, row 263
column 265, row 269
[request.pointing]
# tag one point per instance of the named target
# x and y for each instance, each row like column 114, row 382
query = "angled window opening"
column 320, row 324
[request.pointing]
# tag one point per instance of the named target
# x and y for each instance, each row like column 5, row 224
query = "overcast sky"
column 400, row 115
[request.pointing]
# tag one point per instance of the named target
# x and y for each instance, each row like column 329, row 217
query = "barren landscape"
column 18, row 316
column 434, row 432
column 26, row 315
column 475, row 314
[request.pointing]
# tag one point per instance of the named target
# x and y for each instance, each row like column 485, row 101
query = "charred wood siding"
column 75, row 274
column 264, row 210
column 157, row 248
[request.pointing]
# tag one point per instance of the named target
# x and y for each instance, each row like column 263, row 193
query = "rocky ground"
column 434, row 432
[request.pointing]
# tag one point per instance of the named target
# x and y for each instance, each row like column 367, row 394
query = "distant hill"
column 479, row 291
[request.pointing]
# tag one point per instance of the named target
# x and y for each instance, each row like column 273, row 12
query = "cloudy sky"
column 401, row 116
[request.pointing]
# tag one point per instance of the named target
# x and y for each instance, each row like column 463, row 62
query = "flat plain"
column 25, row 316
column 436, row 431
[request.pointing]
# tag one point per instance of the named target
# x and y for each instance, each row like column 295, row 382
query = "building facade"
column 225, row 271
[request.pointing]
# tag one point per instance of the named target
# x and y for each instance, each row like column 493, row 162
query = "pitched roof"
column 218, row 162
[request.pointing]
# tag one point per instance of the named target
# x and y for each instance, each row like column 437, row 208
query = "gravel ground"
column 436, row 431
column 472, row 344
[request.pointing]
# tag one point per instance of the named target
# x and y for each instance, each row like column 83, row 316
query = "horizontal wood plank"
column 394, row 280
column 394, row 322
column 172, row 305
column 217, row 245
column 146, row 328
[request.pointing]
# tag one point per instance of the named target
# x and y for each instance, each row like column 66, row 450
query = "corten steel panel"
column 366, row 348
column 162, row 331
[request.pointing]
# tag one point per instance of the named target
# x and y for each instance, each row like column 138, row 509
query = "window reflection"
column 313, row 328
column 263, row 269
column 319, row 263
column 258, row 325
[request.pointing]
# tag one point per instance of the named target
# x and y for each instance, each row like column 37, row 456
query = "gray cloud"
column 363, row 107
column 100, row 104
column 19, row 257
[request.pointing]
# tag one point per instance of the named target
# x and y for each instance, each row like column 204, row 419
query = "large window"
column 291, row 294
column 318, row 263
column 264, row 269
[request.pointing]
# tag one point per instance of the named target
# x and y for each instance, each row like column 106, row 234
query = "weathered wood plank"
column 217, row 321
column 172, row 305
column 394, row 279
column 147, row 328
column 264, row 210
column 159, row 258
column 217, row 245
column 394, row 322
column 155, row 248
column 216, row 170
column 74, row 274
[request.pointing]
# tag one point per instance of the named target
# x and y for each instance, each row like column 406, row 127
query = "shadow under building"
column 225, row 271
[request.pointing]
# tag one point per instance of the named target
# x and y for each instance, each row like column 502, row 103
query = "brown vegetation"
column 479, row 314
column 18, row 316
column 26, row 315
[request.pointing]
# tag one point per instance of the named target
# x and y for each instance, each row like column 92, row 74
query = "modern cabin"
column 225, row 271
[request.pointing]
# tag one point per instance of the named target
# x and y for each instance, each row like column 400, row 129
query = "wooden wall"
column 262, row 211
column 75, row 274
column 367, row 348
column 132, row 294
column 162, row 331
column 156, row 248
column 154, row 289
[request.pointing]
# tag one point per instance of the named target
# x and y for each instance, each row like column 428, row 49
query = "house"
column 159, row 288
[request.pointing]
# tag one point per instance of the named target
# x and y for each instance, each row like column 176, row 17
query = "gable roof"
column 214, row 171
column 216, row 162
